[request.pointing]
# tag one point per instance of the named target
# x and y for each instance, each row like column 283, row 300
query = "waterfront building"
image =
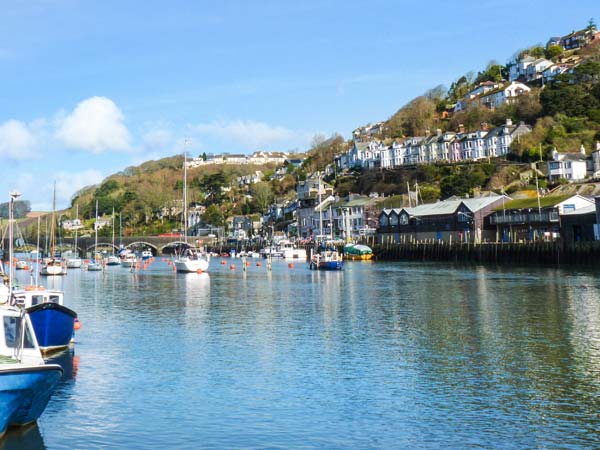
column 532, row 219
column 451, row 220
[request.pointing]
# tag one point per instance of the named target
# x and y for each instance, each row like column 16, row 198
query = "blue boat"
column 26, row 382
column 53, row 323
column 326, row 259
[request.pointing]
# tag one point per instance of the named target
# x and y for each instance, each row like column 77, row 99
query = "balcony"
column 524, row 218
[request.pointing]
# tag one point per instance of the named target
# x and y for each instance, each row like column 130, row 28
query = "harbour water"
column 379, row 355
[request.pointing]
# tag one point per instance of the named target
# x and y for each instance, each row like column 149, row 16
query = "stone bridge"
column 159, row 245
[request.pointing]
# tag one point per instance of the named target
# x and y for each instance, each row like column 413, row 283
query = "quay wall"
column 550, row 253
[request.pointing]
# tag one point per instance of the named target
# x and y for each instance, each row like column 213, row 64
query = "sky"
column 89, row 88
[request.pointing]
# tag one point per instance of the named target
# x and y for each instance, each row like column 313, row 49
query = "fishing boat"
column 26, row 381
column 271, row 251
column 54, row 265
column 192, row 259
column 53, row 323
column 146, row 254
column 326, row 258
column 291, row 251
column 358, row 252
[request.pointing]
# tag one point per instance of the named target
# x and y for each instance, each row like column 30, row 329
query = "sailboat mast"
column 96, row 232
column 113, row 230
column 76, row 228
column 320, row 209
column 52, row 242
column 185, row 196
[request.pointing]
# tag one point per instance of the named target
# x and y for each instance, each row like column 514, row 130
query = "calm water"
column 381, row 355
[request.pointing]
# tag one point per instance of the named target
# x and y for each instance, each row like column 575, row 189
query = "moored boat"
column 53, row 323
column 192, row 260
column 291, row 251
column 326, row 259
column 128, row 260
column 358, row 252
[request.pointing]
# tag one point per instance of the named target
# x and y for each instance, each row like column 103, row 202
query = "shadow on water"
column 27, row 437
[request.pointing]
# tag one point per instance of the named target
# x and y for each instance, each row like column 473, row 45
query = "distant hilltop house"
column 574, row 166
column 247, row 180
column 439, row 147
column 258, row 158
column 491, row 95
column 576, row 39
column 368, row 131
column 72, row 225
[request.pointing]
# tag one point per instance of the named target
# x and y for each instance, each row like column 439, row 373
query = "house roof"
column 591, row 209
column 448, row 207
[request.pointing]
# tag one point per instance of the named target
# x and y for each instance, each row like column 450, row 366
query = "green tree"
column 553, row 51
column 213, row 216
column 262, row 195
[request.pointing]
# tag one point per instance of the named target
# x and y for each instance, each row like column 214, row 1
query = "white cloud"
column 253, row 135
column 68, row 183
column 18, row 141
column 95, row 125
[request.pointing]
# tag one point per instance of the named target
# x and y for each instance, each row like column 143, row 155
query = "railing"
column 522, row 218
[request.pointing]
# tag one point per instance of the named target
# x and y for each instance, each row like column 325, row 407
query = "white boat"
column 128, row 260
column 54, row 265
column 21, row 265
column 192, row 259
column 272, row 251
column 291, row 251
column 95, row 265
column 113, row 260
column 74, row 263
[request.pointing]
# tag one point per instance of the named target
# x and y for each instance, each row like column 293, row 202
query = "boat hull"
column 365, row 257
column 53, row 325
column 326, row 265
column 24, row 392
column 191, row 265
column 74, row 263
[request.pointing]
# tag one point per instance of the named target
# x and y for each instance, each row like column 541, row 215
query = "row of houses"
column 439, row 147
column 258, row 158
column 491, row 95
column 576, row 39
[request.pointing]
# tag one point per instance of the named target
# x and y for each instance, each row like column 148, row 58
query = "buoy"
column 26, row 267
column 247, row 263
column 77, row 324
column 199, row 271
column 258, row 264
column 232, row 267
column 291, row 265
column 174, row 268
column 223, row 262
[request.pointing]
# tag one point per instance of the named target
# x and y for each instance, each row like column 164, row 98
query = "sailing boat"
column 54, row 265
column 113, row 260
column 324, row 257
column 96, row 263
column 75, row 262
column 192, row 259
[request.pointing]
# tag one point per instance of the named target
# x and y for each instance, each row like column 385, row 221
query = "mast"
column 13, row 195
column 185, row 196
column 96, row 234
column 52, row 241
column 38, row 258
column 76, row 227
column 320, row 209
column 113, row 230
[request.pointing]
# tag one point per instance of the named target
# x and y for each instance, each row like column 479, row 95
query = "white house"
column 519, row 69
column 535, row 70
column 504, row 95
column 568, row 166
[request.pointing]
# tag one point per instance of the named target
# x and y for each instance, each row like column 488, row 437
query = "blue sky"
column 88, row 88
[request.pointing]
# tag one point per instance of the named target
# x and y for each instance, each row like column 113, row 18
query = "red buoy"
column 77, row 324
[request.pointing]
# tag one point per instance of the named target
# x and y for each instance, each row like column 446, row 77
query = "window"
column 403, row 219
column 12, row 332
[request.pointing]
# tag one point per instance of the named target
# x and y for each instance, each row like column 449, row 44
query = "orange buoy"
column 258, row 264
column 26, row 267
column 247, row 263
column 77, row 324
column 199, row 271
column 291, row 265
column 174, row 268
column 223, row 262
column 232, row 267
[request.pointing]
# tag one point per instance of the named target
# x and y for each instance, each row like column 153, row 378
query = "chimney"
column 582, row 150
column 484, row 126
column 508, row 122
column 461, row 128
column 438, row 132
column 427, row 132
